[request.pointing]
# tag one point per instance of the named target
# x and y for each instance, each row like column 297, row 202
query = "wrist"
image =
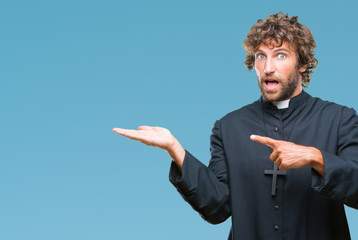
column 316, row 161
column 177, row 153
column 174, row 148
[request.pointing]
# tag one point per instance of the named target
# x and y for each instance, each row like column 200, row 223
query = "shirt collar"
column 293, row 102
column 282, row 104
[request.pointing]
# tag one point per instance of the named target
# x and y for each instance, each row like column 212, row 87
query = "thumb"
column 144, row 128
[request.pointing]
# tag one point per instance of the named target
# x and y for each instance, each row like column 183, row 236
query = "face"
column 277, row 71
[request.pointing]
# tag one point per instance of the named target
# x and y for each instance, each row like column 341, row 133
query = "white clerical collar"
column 282, row 104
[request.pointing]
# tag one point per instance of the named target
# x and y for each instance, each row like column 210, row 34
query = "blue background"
column 73, row 70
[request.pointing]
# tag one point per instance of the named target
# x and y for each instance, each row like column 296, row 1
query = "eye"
column 260, row 56
column 281, row 56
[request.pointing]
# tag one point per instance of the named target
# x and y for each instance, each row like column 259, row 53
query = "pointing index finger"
column 264, row 140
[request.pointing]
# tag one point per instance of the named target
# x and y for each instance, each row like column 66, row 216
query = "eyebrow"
column 276, row 50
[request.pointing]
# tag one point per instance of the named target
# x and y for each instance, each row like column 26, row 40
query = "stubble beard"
column 287, row 88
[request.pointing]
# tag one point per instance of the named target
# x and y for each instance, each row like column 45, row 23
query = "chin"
column 271, row 97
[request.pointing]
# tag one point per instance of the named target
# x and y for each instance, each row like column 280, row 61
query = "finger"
column 274, row 156
column 278, row 163
column 119, row 130
column 132, row 134
column 264, row 140
column 144, row 128
column 283, row 168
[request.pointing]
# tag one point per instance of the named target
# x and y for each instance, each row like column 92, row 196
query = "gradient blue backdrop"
column 73, row 70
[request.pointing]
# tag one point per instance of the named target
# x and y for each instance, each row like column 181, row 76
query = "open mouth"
column 271, row 84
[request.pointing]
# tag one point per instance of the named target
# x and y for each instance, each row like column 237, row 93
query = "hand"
column 152, row 136
column 288, row 155
column 156, row 137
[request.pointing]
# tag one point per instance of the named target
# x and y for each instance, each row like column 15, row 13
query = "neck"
column 297, row 91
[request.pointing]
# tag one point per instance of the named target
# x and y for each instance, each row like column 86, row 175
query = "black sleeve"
column 341, row 169
column 206, row 189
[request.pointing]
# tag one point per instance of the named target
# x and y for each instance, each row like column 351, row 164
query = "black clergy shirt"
column 305, row 205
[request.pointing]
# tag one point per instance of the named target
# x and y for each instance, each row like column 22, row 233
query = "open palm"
column 152, row 136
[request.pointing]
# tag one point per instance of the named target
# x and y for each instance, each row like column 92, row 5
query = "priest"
column 282, row 167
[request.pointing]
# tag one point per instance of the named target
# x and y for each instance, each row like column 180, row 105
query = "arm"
column 333, row 175
column 204, row 188
column 156, row 137
column 341, row 168
column 288, row 155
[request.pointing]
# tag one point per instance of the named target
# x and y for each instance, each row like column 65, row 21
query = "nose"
column 269, row 66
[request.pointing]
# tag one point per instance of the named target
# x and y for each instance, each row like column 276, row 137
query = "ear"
column 302, row 69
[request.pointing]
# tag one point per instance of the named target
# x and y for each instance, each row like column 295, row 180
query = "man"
column 282, row 167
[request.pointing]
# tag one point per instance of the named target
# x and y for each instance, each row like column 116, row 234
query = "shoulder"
column 331, row 111
column 253, row 110
column 330, row 107
column 243, row 116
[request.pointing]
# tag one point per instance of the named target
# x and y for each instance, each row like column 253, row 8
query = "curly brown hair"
column 279, row 28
